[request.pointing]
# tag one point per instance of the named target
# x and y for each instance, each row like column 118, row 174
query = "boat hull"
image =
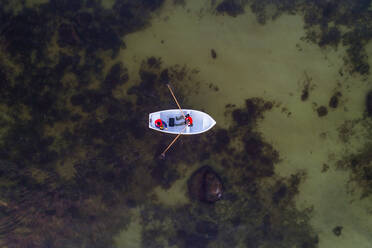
column 202, row 122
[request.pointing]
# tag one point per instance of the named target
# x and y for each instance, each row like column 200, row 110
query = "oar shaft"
column 175, row 99
column 166, row 149
column 3, row 203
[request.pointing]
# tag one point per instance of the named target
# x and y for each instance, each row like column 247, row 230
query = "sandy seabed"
column 271, row 62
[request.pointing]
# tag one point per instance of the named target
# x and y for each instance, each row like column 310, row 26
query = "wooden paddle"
column 174, row 140
column 176, row 100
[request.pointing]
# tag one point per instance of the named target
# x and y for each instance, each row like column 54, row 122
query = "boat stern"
column 152, row 118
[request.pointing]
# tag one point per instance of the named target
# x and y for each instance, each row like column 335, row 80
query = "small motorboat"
column 175, row 121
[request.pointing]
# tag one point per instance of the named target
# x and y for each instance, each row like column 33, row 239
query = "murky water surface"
column 288, row 164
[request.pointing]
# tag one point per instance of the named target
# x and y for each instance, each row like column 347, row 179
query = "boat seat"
column 171, row 122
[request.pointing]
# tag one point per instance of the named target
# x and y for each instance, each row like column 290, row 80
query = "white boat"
column 202, row 122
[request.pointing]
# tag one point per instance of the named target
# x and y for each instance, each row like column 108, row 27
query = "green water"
column 286, row 81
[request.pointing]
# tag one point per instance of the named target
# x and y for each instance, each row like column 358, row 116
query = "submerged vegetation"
column 369, row 103
column 330, row 25
column 359, row 162
column 65, row 159
column 76, row 159
column 327, row 23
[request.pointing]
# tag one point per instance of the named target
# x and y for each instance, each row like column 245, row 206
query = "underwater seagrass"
column 71, row 170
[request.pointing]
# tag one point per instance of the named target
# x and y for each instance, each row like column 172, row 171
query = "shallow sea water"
column 291, row 177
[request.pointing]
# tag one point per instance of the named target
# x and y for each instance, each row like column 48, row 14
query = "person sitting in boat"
column 188, row 119
column 161, row 124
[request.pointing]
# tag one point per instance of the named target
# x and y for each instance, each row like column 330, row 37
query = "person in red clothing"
column 188, row 120
column 161, row 124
